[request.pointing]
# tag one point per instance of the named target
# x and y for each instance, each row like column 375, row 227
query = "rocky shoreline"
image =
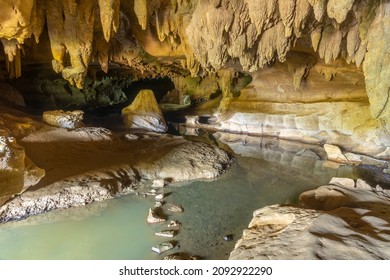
column 342, row 220
column 116, row 181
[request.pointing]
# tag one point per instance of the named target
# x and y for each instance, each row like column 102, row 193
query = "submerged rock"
column 175, row 208
column 64, row 119
column 342, row 223
column 145, row 113
column 180, row 256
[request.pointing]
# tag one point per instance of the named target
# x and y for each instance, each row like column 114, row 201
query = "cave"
column 178, row 129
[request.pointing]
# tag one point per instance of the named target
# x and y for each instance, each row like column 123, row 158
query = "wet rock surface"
column 336, row 221
column 145, row 113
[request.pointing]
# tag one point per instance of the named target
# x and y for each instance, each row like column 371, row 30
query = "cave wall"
column 332, row 51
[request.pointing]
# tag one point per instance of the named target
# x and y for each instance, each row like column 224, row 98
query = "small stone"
column 131, row 137
column 153, row 218
column 362, row 185
column 343, row 182
column 180, row 256
column 175, row 208
column 378, row 188
column 174, row 224
column 160, row 183
column 334, row 153
column 159, row 197
column 163, row 247
column 158, row 204
column 166, row 233
column 228, row 237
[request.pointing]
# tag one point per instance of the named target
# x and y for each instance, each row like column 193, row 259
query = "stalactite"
column 109, row 16
column 319, row 8
column 329, row 48
column 315, row 36
column 338, row 9
column 302, row 12
column 262, row 13
column 286, row 10
column 13, row 58
column 141, row 11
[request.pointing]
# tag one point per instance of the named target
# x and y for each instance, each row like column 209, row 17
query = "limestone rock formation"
column 341, row 223
column 17, row 172
column 318, row 68
column 176, row 162
column 145, row 113
column 59, row 118
column 188, row 161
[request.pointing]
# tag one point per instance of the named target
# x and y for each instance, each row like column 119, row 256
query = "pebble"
column 166, row 233
column 175, row 208
column 174, row 223
column 180, row 256
column 160, row 183
column 153, row 218
column 228, row 237
column 159, row 197
column 158, row 204
column 163, row 247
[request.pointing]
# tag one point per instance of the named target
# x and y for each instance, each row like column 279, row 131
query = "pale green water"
column 113, row 230
column 117, row 229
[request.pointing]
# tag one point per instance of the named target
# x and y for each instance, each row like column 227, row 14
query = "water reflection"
column 266, row 171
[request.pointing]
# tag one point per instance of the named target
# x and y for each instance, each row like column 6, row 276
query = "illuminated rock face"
column 144, row 113
column 17, row 172
column 347, row 42
column 333, row 221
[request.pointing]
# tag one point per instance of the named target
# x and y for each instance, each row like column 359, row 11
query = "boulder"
column 64, row 119
column 144, row 113
column 153, row 218
column 357, row 226
column 17, row 171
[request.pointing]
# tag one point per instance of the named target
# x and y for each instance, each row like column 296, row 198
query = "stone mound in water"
column 187, row 161
column 346, row 220
column 145, row 113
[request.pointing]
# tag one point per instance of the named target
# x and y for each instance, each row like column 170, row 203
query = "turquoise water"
column 117, row 229
column 105, row 230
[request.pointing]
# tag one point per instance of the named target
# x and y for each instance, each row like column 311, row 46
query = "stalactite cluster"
column 181, row 37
